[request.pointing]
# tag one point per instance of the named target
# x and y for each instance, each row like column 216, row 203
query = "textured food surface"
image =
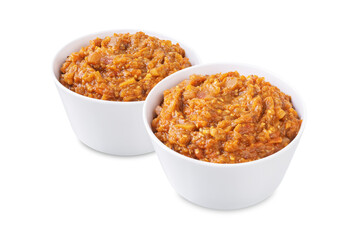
column 226, row 118
column 124, row 67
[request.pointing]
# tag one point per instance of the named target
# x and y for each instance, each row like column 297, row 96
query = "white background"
column 53, row 187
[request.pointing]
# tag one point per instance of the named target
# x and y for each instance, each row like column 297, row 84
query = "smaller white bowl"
column 222, row 186
column 106, row 126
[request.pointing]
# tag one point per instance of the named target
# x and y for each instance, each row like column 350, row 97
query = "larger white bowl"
column 106, row 126
column 222, row 186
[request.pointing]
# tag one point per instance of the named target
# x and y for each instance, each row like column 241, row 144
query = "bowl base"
column 118, row 152
column 226, row 208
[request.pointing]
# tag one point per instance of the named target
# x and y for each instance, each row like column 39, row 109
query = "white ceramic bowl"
column 222, row 186
column 106, row 126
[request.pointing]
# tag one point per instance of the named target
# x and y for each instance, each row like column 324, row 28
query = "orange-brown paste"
column 124, row 67
column 226, row 118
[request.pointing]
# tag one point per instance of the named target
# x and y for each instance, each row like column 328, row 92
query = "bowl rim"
column 299, row 100
column 90, row 36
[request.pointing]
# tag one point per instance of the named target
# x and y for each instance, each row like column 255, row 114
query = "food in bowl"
column 226, row 118
column 124, row 67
